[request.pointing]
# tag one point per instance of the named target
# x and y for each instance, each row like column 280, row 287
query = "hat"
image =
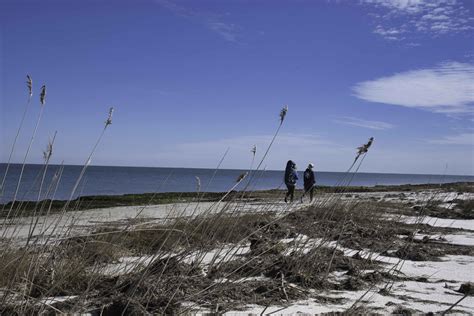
column 311, row 166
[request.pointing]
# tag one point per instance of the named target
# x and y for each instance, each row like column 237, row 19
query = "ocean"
column 105, row 180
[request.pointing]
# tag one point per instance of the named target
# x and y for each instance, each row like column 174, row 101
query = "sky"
column 190, row 79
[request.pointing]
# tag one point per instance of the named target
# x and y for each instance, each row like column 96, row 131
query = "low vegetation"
column 217, row 261
column 220, row 262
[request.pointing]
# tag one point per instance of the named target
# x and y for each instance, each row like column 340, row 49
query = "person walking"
column 290, row 180
column 309, row 181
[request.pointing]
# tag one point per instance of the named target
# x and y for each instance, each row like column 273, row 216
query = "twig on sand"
column 455, row 304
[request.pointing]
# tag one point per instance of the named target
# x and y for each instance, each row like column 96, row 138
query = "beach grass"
column 288, row 254
column 218, row 252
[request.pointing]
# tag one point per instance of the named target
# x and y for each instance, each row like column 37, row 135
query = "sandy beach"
column 422, row 268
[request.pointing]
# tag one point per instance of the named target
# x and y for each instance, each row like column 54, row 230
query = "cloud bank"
column 446, row 88
column 398, row 19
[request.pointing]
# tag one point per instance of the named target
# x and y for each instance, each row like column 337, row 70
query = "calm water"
column 100, row 180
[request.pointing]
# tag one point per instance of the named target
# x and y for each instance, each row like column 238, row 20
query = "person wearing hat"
column 309, row 182
column 290, row 180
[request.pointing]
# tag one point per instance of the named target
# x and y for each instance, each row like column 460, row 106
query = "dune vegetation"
column 220, row 252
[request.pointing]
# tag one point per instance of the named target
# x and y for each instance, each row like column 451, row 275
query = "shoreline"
column 107, row 201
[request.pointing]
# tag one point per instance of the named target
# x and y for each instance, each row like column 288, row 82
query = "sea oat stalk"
column 83, row 170
column 29, row 85
column 283, row 113
column 42, row 101
column 254, row 152
column 89, row 158
column 107, row 122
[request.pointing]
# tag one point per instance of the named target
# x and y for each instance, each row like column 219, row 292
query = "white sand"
column 440, row 222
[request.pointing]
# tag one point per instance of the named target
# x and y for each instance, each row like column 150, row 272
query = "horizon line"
column 238, row 169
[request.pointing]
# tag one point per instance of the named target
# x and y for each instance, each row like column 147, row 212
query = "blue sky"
column 188, row 79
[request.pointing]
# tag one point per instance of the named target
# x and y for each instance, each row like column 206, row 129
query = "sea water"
column 107, row 180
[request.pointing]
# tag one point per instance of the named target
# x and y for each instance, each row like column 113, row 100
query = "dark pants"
column 311, row 191
column 290, row 193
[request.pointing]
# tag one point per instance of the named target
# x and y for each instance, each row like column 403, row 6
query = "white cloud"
column 460, row 139
column 409, row 6
column 212, row 21
column 353, row 121
column 227, row 31
column 434, row 17
column 389, row 33
column 412, row 6
column 447, row 88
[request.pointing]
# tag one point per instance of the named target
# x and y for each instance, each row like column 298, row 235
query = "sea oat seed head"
column 371, row 139
column 49, row 151
column 242, row 176
column 283, row 112
column 365, row 148
column 43, row 95
column 29, row 84
column 109, row 119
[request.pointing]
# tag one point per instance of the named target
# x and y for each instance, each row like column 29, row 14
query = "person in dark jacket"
column 290, row 180
column 309, row 181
